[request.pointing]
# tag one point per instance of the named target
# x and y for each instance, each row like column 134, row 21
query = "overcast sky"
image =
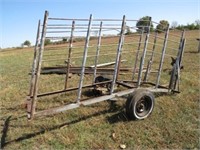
column 19, row 18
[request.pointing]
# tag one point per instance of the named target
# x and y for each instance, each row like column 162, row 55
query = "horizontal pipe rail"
column 80, row 25
column 71, row 19
column 167, row 39
column 162, row 45
column 70, row 89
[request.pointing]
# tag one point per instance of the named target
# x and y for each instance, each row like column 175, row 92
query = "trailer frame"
column 131, row 85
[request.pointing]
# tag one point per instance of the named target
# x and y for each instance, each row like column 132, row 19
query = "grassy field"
column 174, row 123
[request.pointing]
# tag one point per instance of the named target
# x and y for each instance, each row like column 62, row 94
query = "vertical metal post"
column 181, row 47
column 147, row 71
column 84, row 59
column 154, row 47
column 69, row 54
column 178, row 64
column 172, row 77
column 35, row 90
column 34, row 60
column 180, row 44
column 199, row 46
column 118, row 68
column 182, row 51
column 178, row 60
column 162, row 57
column 150, row 62
column 144, row 54
column 137, row 54
column 175, row 75
column 97, row 51
column 33, row 68
column 119, row 50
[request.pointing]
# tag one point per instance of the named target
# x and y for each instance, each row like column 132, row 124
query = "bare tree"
column 174, row 24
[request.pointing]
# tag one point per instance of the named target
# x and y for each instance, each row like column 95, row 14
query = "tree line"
column 143, row 23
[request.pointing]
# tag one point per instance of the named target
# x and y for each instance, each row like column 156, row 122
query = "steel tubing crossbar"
column 69, row 25
column 128, row 20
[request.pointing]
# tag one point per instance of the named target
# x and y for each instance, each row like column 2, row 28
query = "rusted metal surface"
column 144, row 53
column 147, row 70
column 69, row 54
column 198, row 39
column 153, row 51
column 77, row 70
column 137, row 54
column 97, row 52
column 33, row 72
column 162, row 56
column 119, row 49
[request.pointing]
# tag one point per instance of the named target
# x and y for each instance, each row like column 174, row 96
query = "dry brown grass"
column 174, row 123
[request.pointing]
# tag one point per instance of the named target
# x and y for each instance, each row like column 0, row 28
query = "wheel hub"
column 141, row 107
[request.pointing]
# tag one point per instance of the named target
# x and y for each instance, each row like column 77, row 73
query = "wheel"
column 140, row 104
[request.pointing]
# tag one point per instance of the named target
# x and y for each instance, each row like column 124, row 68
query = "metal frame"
column 90, row 26
column 69, row 54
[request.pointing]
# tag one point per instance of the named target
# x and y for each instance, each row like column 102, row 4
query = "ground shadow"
column 118, row 117
column 5, row 131
column 89, row 93
column 112, row 109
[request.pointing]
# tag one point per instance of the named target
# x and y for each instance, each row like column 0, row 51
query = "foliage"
column 64, row 39
column 162, row 26
column 174, row 24
column 47, row 42
column 143, row 23
column 27, row 43
column 192, row 26
column 188, row 27
column 197, row 22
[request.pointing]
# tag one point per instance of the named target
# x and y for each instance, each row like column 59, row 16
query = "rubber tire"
column 138, row 96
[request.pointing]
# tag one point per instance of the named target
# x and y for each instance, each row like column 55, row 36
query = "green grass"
column 174, row 123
